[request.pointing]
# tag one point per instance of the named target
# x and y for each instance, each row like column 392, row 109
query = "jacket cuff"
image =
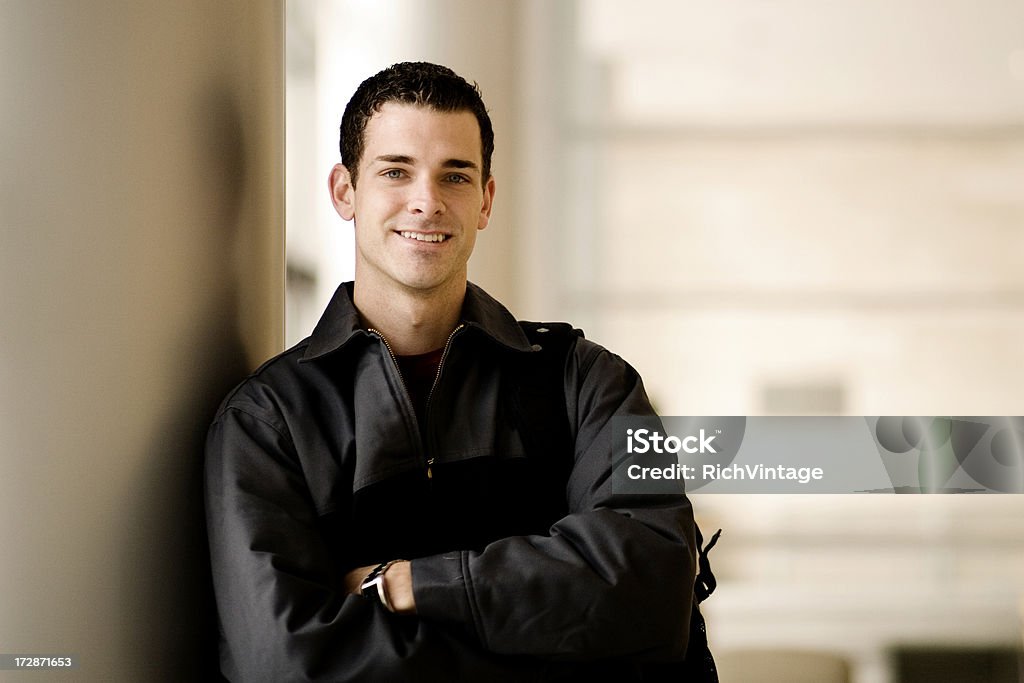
column 440, row 590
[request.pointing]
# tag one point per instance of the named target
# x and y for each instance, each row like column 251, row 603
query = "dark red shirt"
column 419, row 373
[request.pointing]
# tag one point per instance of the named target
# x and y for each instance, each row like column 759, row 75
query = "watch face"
column 373, row 585
column 372, row 578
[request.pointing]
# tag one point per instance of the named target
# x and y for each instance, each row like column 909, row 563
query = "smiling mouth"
column 423, row 236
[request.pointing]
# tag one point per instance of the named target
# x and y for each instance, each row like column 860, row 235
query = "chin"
column 426, row 285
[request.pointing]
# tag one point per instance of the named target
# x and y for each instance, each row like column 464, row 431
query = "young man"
column 380, row 503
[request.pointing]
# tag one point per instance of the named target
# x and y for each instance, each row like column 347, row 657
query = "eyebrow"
column 447, row 163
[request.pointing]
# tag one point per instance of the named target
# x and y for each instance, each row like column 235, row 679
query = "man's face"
column 420, row 198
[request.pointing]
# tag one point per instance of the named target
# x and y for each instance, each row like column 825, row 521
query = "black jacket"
column 315, row 465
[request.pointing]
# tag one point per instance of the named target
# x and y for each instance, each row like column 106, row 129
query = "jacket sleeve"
column 282, row 610
column 613, row 579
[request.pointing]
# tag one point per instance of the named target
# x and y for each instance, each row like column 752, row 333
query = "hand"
column 397, row 585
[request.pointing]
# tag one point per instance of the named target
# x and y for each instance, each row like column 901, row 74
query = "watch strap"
column 373, row 585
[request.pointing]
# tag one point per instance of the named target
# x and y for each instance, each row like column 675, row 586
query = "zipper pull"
column 430, row 471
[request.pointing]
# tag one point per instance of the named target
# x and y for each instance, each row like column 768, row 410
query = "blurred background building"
column 790, row 207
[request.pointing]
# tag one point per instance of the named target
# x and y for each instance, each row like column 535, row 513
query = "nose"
column 425, row 199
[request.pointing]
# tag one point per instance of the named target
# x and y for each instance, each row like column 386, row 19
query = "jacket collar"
column 340, row 322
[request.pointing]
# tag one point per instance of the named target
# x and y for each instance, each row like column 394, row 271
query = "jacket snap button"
column 542, row 329
column 536, row 347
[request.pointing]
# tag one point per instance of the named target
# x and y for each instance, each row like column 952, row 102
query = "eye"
column 457, row 178
column 392, row 174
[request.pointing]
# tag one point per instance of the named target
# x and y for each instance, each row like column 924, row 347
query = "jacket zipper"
column 430, row 394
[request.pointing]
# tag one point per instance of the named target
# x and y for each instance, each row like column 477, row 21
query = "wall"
column 141, row 271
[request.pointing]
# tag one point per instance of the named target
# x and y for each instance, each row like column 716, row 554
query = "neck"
column 412, row 323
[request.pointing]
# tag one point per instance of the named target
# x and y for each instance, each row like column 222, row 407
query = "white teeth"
column 422, row 237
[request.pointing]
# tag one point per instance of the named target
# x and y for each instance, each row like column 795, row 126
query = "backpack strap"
column 538, row 399
column 706, row 582
column 534, row 402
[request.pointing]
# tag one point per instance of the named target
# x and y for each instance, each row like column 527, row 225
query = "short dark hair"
column 419, row 83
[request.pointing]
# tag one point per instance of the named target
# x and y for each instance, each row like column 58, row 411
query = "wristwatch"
column 373, row 585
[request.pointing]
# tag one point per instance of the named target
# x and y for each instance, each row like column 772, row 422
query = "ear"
column 342, row 192
column 487, row 204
